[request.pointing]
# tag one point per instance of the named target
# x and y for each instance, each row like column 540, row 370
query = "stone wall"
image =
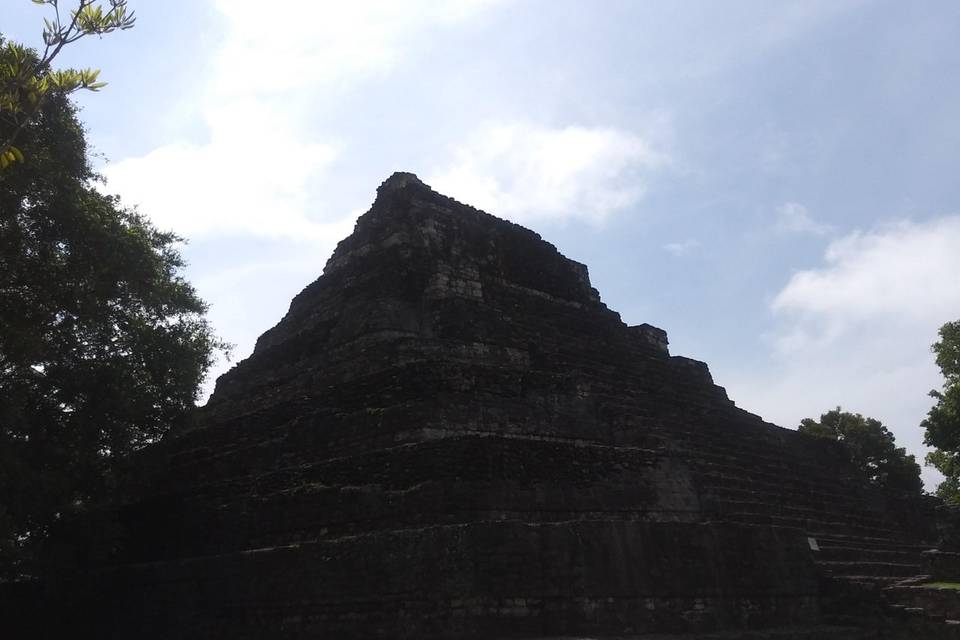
column 480, row 579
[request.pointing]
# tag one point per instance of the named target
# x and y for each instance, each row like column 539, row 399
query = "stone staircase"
column 869, row 559
column 872, row 566
column 913, row 598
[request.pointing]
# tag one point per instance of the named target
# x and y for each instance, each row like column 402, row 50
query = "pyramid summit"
column 449, row 434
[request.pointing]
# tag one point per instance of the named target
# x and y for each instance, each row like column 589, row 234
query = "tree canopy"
column 27, row 79
column 103, row 344
column 942, row 424
column 872, row 448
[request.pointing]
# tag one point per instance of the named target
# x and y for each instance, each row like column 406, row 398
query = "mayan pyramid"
column 450, row 435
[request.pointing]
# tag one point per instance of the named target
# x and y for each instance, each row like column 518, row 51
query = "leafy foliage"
column 949, row 465
column 103, row 344
column 26, row 79
column 942, row 424
column 947, row 350
column 872, row 448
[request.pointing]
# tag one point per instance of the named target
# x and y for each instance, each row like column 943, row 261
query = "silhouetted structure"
column 449, row 434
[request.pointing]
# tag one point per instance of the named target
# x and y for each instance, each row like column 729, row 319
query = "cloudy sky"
column 774, row 183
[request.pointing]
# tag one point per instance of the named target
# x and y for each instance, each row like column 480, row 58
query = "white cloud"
column 528, row 172
column 682, row 248
column 857, row 331
column 793, row 217
column 306, row 43
column 230, row 185
column 257, row 170
column 904, row 273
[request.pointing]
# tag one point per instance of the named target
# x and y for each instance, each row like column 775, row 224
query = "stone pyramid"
column 450, row 435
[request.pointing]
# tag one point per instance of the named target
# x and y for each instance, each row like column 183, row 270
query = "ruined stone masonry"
column 450, row 435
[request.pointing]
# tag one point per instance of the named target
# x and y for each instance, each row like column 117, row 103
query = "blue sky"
column 773, row 183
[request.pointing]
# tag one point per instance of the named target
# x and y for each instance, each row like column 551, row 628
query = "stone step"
column 787, row 509
column 775, row 497
column 871, row 542
column 855, row 553
column 786, row 470
column 743, row 469
column 876, row 582
column 782, row 501
column 736, row 440
column 838, row 529
column 904, row 611
column 866, row 568
column 815, row 528
column 944, row 603
column 823, row 523
column 772, row 504
column 774, row 456
column 349, row 469
column 787, row 463
column 728, row 489
column 818, row 632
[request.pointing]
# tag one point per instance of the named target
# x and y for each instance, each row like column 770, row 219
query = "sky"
column 773, row 183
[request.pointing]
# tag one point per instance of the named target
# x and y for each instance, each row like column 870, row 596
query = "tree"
column 942, row 424
column 872, row 448
column 103, row 344
column 26, row 79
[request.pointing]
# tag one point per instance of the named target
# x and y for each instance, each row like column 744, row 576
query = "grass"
column 942, row 585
